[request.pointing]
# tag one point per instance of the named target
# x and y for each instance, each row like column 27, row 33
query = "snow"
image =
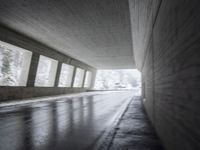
column 78, row 81
column 46, row 72
column 14, row 65
column 66, row 75
column 118, row 79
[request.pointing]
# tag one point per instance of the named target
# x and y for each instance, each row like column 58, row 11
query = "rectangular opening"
column 66, row 75
column 78, row 81
column 14, row 65
column 124, row 79
column 88, row 79
column 46, row 72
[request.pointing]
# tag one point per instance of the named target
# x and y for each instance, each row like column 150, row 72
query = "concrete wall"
column 37, row 48
column 143, row 14
column 171, row 74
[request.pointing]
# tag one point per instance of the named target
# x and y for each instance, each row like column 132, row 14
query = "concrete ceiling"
column 97, row 32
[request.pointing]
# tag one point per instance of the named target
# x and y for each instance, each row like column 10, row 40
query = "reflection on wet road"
column 64, row 124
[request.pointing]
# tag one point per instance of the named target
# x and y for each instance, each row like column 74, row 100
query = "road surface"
column 76, row 123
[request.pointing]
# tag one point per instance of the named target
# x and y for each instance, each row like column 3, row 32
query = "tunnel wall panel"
column 17, row 93
column 148, row 96
column 171, row 74
column 37, row 48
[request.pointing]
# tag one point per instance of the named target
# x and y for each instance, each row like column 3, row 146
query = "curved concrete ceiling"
column 97, row 32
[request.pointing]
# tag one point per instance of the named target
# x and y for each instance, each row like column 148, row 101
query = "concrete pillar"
column 58, row 74
column 73, row 77
column 33, row 70
column 84, row 78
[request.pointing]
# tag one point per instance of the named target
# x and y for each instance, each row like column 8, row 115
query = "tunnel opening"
column 118, row 79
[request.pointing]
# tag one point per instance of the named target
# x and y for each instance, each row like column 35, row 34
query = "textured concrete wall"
column 17, row 93
column 143, row 14
column 171, row 74
column 11, row 93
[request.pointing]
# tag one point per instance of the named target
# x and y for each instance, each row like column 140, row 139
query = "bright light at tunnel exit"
column 123, row 79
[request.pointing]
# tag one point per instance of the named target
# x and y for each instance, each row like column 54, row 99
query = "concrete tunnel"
column 160, row 38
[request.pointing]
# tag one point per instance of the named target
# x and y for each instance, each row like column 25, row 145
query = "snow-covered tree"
column 10, row 66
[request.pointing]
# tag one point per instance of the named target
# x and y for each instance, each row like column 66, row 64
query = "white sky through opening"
column 118, row 79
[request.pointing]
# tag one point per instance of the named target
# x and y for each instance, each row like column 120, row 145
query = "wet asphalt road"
column 77, row 123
